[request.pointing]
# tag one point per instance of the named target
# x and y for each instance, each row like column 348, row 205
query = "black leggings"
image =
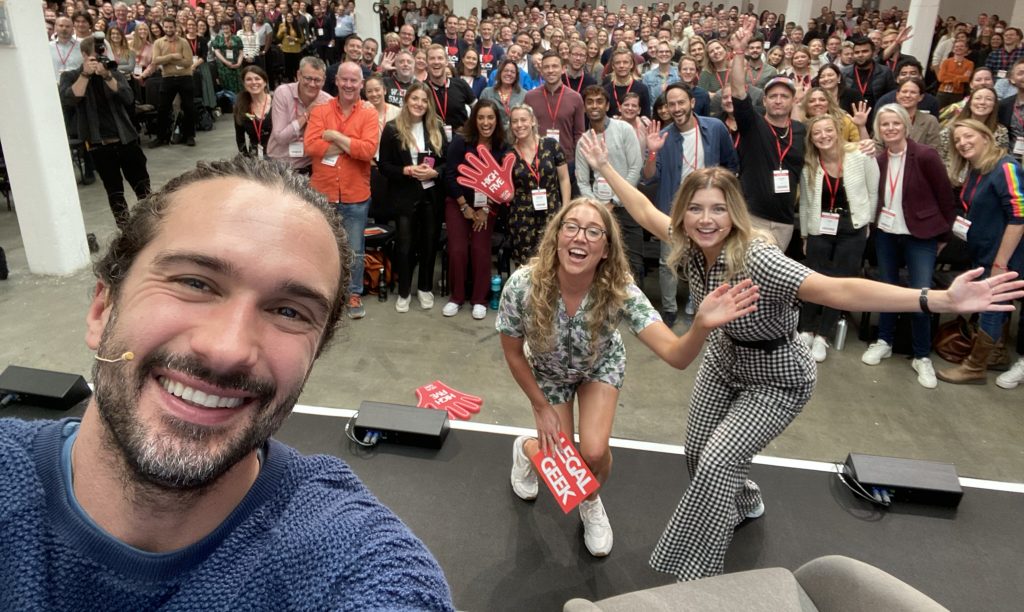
column 114, row 160
column 838, row 256
column 416, row 243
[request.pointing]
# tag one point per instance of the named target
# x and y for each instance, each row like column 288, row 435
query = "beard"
column 171, row 454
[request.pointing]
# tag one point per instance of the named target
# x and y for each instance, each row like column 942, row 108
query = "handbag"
column 953, row 339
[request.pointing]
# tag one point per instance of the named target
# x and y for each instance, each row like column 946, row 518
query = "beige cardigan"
column 860, row 179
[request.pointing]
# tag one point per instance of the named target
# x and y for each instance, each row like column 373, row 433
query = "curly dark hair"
column 144, row 223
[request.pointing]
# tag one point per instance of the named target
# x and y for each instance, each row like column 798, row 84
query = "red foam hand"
column 482, row 173
column 440, row 396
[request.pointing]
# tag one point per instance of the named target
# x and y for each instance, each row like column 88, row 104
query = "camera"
column 100, row 47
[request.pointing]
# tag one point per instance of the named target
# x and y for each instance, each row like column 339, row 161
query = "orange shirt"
column 348, row 179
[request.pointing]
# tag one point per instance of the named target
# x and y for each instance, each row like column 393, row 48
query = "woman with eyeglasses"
column 756, row 375
column 566, row 305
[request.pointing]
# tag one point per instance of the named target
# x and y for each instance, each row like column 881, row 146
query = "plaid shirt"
column 1000, row 61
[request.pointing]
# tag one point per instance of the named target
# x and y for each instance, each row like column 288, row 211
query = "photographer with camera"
column 99, row 99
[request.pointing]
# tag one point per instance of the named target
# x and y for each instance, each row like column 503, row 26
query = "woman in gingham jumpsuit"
column 756, row 375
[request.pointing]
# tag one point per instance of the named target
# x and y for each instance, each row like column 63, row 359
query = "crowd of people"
column 744, row 143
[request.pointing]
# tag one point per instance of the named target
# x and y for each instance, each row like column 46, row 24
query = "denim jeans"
column 667, row 281
column 353, row 218
column 918, row 255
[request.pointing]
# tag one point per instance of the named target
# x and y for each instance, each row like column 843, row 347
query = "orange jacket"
column 953, row 78
column 348, row 180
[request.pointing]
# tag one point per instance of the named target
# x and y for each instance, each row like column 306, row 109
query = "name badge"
column 552, row 134
column 479, row 199
column 137, row 71
column 319, row 31
column 829, row 224
column 886, row 220
column 781, row 180
column 296, row 149
column 1018, row 146
column 329, row 160
column 602, row 190
column 1001, row 74
column 448, row 132
column 540, row 199
column 960, row 227
column 259, row 151
column 230, row 54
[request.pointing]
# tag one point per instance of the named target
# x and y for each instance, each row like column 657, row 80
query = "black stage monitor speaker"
column 400, row 424
column 907, row 480
column 43, row 388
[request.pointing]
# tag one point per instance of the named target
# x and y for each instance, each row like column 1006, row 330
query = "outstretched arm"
column 639, row 207
column 738, row 42
column 965, row 295
column 721, row 306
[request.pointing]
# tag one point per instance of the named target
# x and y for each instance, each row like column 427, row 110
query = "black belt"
column 762, row 345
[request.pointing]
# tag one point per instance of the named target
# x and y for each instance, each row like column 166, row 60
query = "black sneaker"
column 94, row 245
column 191, row 142
column 88, row 179
column 3, row 264
column 159, row 142
column 669, row 318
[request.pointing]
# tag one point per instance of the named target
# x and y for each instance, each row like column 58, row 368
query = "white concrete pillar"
column 798, row 11
column 36, row 148
column 368, row 22
column 461, row 8
column 921, row 12
column 1017, row 18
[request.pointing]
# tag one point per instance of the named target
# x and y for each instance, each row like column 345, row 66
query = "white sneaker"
column 807, row 338
column 524, row 479
column 597, row 532
column 426, row 299
column 479, row 311
column 1012, row 377
column 757, row 511
column 877, row 352
column 925, row 372
column 819, row 348
column 402, row 304
column 450, row 309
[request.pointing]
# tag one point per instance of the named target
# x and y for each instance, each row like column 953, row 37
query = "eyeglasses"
column 592, row 233
column 312, row 80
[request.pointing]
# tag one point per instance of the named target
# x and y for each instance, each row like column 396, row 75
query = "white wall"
column 963, row 9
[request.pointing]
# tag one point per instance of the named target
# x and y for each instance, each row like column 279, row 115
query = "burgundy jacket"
column 928, row 204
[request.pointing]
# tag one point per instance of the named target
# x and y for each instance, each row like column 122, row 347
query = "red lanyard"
column 863, row 87
column 615, row 92
column 558, row 104
column 833, row 192
column 320, row 23
column 696, row 147
column 778, row 146
column 194, row 44
column 894, row 182
column 567, row 80
column 64, row 58
column 441, row 109
column 536, row 162
column 258, row 125
column 736, row 141
column 966, row 203
column 721, row 83
column 754, row 79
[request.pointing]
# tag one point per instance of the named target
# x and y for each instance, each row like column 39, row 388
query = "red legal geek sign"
column 568, row 477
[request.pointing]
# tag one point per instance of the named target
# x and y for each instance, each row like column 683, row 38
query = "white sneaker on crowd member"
column 402, row 303
column 426, row 299
column 1012, row 377
column 877, row 352
column 524, row 479
column 479, row 311
column 807, row 338
column 451, row 309
column 925, row 372
column 819, row 348
column 597, row 531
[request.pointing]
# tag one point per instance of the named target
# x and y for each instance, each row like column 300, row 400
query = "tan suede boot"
column 999, row 360
column 972, row 370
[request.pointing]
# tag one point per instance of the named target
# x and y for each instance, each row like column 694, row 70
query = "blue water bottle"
column 495, row 291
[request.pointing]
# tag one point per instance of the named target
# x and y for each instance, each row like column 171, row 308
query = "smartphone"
column 428, row 161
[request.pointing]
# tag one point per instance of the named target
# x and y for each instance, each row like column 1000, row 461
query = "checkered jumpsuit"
column 742, row 399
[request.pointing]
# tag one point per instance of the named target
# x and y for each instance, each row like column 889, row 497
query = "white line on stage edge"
column 657, row 447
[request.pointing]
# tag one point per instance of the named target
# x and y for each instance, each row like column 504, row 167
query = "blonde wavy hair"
column 959, row 166
column 432, row 129
column 740, row 236
column 811, row 152
column 607, row 292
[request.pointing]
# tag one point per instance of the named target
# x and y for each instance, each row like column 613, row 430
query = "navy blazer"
column 928, row 205
column 718, row 151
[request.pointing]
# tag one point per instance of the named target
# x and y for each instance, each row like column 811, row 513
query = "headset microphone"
column 125, row 356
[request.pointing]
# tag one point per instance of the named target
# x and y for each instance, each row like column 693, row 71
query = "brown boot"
column 972, row 370
column 999, row 359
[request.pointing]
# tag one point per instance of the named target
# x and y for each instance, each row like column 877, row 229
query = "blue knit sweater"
column 308, row 536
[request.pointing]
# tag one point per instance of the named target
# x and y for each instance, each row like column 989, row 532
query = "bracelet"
column 923, row 301
column 651, row 156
